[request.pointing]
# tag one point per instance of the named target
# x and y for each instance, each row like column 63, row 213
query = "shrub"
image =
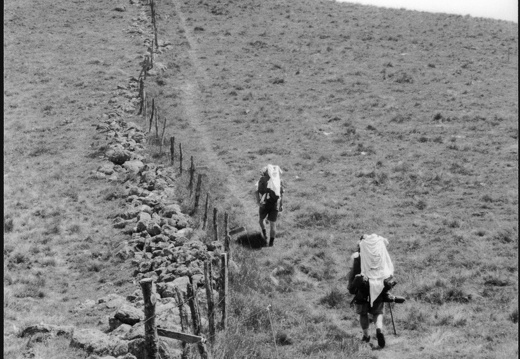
column 95, row 266
column 421, row 205
column 451, row 223
column 333, row 299
column 403, row 77
column 486, row 198
column 505, row 236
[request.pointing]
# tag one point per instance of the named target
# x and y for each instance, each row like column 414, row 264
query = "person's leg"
column 379, row 330
column 378, row 319
column 364, row 322
column 261, row 216
column 272, row 233
column 273, row 215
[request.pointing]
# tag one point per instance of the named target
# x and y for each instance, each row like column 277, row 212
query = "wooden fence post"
column 227, row 238
column 223, row 295
column 184, row 320
column 172, row 149
column 162, row 134
column 205, row 219
column 197, row 193
column 211, row 304
column 145, row 104
column 195, row 317
column 154, row 23
column 180, row 158
column 156, row 123
column 150, row 331
column 152, row 115
column 215, row 223
column 192, row 171
column 141, row 95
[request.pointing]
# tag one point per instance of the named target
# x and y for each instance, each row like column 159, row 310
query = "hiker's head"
column 264, row 171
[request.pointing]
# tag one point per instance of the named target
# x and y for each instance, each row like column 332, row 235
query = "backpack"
column 267, row 194
column 360, row 287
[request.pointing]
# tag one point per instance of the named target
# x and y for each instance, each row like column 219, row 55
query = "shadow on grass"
column 251, row 240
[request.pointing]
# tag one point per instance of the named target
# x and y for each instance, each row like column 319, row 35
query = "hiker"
column 269, row 192
column 370, row 279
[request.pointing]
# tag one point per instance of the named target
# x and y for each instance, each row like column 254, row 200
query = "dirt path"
column 191, row 92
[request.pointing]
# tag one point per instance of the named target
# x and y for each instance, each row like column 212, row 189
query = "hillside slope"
column 384, row 121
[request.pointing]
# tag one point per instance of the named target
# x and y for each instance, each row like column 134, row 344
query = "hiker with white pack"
column 269, row 193
column 370, row 279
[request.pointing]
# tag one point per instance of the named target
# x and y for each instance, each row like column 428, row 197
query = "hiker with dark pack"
column 370, row 279
column 269, row 192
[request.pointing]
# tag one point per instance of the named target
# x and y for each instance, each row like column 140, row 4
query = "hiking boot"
column 366, row 338
column 271, row 242
column 380, row 338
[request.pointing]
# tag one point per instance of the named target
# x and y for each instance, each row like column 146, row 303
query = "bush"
column 505, row 236
column 333, row 299
column 403, row 77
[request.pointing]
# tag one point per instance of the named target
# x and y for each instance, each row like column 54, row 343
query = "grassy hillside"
column 384, row 121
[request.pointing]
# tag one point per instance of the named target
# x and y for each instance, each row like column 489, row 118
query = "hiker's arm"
column 282, row 191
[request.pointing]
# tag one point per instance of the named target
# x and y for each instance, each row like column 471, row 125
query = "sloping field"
column 384, row 121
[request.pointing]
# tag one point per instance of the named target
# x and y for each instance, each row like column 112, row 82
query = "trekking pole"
column 392, row 316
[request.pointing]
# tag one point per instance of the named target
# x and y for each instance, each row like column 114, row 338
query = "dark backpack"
column 270, row 197
column 360, row 287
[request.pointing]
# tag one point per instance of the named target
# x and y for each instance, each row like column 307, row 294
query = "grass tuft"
column 333, row 299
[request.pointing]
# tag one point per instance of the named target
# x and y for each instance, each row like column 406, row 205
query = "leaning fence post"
column 192, row 171
column 197, row 193
column 145, row 104
column 172, row 149
column 150, row 331
column 223, row 295
column 227, row 238
column 151, row 116
column 156, row 123
column 195, row 316
column 205, row 218
column 184, row 320
column 215, row 223
column 141, row 95
column 211, row 305
column 162, row 134
column 180, row 158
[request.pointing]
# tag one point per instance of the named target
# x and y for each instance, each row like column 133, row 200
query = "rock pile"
column 162, row 243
